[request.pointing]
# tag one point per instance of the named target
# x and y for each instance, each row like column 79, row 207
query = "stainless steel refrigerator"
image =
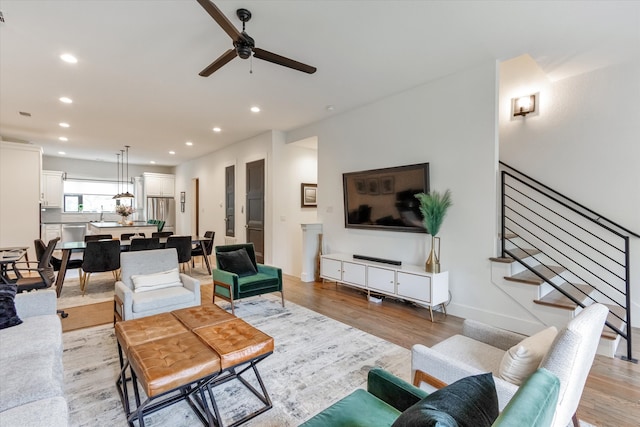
column 163, row 209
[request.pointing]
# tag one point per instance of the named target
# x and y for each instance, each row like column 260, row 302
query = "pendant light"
column 126, row 194
column 117, row 196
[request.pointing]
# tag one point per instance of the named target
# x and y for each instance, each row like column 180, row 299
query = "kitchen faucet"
column 101, row 213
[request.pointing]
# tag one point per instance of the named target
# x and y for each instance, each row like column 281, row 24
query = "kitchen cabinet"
column 51, row 191
column 20, row 173
column 51, row 231
column 159, row 185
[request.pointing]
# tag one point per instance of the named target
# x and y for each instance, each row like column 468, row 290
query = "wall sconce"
column 523, row 105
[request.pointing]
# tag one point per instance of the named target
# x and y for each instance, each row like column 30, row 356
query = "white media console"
column 407, row 282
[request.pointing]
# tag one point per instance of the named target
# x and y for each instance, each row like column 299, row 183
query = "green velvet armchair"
column 239, row 275
column 388, row 396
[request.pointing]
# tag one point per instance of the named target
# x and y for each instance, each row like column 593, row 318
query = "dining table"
column 67, row 248
column 8, row 258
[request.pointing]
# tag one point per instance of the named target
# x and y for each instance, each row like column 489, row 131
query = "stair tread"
column 608, row 333
column 523, row 253
column 529, row 277
column 555, row 298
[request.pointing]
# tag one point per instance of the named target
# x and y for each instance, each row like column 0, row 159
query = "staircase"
column 558, row 257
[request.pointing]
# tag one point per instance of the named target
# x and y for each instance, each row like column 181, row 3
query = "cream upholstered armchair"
column 150, row 283
column 512, row 357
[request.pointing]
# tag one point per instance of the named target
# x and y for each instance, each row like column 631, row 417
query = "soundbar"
column 383, row 260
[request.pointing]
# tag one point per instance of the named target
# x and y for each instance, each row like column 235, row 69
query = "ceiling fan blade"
column 218, row 63
column 222, row 20
column 281, row 60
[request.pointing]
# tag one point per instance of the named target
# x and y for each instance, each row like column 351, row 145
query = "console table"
column 407, row 282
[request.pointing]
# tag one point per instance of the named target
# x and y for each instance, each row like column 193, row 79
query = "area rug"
column 101, row 287
column 316, row 361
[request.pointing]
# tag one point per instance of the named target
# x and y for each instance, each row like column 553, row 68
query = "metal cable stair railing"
column 586, row 255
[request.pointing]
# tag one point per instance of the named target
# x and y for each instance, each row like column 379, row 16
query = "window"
column 92, row 196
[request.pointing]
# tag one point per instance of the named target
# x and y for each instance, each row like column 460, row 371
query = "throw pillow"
column 521, row 360
column 155, row 281
column 8, row 315
column 237, row 262
column 471, row 401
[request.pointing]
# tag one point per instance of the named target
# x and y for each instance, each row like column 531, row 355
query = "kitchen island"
column 116, row 229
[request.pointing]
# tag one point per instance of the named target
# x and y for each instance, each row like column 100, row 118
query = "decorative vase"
column 433, row 261
column 318, row 258
column 125, row 220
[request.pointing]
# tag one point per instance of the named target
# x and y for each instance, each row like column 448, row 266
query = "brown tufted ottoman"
column 183, row 354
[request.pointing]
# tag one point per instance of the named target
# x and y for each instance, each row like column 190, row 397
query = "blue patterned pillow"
column 8, row 315
column 469, row 402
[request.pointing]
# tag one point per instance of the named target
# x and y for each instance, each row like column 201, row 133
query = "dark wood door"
column 255, row 207
column 230, row 201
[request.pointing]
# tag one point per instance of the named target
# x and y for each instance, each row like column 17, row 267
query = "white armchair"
column 482, row 348
column 133, row 301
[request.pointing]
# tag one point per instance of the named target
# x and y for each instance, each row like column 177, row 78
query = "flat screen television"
column 384, row 199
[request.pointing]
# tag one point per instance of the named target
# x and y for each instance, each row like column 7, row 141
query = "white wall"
column 584, row 143
column 452, row 124
column 210, row 170
column 97, row 170
column 293, row 165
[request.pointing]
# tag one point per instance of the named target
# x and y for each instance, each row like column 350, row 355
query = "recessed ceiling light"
column 153, row 162
column 172, row 152
column 67, row 57
column 62, row 152
column 255, row 109
column 189, row 143
column 63, row 125
column 66, row 100
column 63, row 138
column 217, row 129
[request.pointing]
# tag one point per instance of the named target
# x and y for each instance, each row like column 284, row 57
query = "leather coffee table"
column 186, row 353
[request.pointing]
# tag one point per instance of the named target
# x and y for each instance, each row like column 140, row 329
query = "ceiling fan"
column 243, row 44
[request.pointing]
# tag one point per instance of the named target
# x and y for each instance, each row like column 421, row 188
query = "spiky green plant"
column 433, row 207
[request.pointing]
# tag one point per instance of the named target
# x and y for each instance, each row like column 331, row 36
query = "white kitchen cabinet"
column 52, row 190
column 159, row 185
column 20, row 174
column 407, row 282
column 51, row 231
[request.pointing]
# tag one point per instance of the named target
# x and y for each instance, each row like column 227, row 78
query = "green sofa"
column 387, row 396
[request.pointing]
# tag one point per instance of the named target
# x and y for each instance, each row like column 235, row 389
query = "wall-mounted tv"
column 384, row 199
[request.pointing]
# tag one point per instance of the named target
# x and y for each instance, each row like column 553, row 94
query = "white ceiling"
column 136, row 82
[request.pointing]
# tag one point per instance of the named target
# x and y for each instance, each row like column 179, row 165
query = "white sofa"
column 481, row 349
column 130, row 304
column 31, row 372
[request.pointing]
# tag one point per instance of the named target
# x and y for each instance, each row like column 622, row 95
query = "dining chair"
column 162, row 234
column 144, row 244
column 100, row 256
column 72, row 263
column 46, row 275
column 204, row 248
column 128, row 236
column 183, row 245
column 92, row 237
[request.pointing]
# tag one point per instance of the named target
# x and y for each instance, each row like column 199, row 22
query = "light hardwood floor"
column 611, row 397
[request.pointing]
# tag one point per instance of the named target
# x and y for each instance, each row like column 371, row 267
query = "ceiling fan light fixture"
column 243, row 51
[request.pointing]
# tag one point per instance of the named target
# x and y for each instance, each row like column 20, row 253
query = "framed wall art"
column 308, row 195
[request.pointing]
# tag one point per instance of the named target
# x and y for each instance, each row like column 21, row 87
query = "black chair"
column 183, row 246
column 99, row 257
column 144, row 244
column 128, row 236
column 162, row 234
column 203, row 248
column 92, row 237
column 73, row 263
column 46, row 275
